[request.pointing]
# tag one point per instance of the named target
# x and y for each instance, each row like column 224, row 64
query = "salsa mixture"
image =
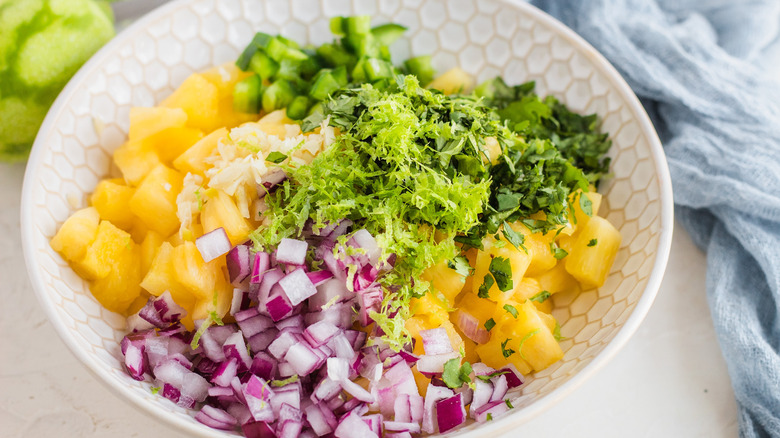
column 316, row 241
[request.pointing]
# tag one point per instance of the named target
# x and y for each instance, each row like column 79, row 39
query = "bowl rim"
column 501, row 424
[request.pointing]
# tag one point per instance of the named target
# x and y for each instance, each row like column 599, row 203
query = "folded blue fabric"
column 702, row 70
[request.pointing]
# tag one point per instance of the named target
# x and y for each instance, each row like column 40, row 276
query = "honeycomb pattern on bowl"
column 485, row 38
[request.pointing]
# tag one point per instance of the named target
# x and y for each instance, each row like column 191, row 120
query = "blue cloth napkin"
column 702, row 70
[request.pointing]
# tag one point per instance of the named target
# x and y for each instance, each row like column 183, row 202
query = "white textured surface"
column 669, row 381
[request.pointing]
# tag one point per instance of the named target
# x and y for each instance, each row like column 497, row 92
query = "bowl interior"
column 485, row 38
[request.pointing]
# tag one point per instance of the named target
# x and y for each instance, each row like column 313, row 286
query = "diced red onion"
column 369, row 300
column 261, row 263
column 397, row 426
column 297, row 286
column 216, row 418
column 326, row 389
column 213, row 244
column 293, row 323
column 338, row 369
column 494, row 408
column 398, row 435
column 499, row 388
column 363, row 239
column 269, row 280
column 235, row 348
column 261, row 341
column 258, row 395
column 263, row 365
column 483, row 391
column 256, row 324
column 225, row 373
column 450, row 413
column 133, row 351
column 436, row 341
column 258, row 429
column 317, row 420
column 238, row 264
column 240, row 412
column 513, row 377
column 162, row 311
column 357, row 391
column 319, row 277
column 352, row 426
column 433, row 395
column 302, row 358
column 283, row 342
column 288, row 394
column 285, row 370
column 237, row 301
column 278, row 306
column 469, row 325
column 374, row 422
column 434, row 364
column 320, row 333
column 291, row 252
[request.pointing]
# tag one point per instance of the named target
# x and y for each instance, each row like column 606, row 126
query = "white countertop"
column 669, row 381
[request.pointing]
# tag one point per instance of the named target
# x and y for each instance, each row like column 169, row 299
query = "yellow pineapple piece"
column 558, row 278
column 149, row 247
column 455, row 339
column 526, row 289
column 445, row 280
column 480, row 308
column 199, row 98
column 519, row 260
column 491, row 354
column 172, row 142
column 594, row 252
column 225, row 77
column 138, row 303
column 224, row 295
column 139, row 231
column 193, row 273
column 110, row 242
column 111, row 198
column 161, row 277
column 549, row 320
column 538, row 245
column 530, row 337
column 453, row 81
column 414, row 325
column 580, row 218
column 193, row 160
column 566, row 243
column 76, row 234
column 148, row 121
column 135, row 159
column 545, row 306
column 273, row 123
column 120, row 288
column 154, row 201
column 221, row 211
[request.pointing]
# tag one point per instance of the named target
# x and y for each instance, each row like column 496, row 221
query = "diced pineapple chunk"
column 76, row 234
column 154, row 202
column 538, row 245
column 530, row 337
column 109, row 245
column 445, row 280
column 453, row 81
column 172, row 142
column 480, row 308
column 199, row 277
column 111, row 198
column 199, row 98
column 274, row 123
column 594, row 252
column 576, row 199
column 557, row 279
column 149, row 247
column 148, row 121
column 519, row 260
column 431, row 307
column 193, row 160
column 492, row 354
column 162, row 277
column 120, row 288
column 135, row 159
column 221, row 211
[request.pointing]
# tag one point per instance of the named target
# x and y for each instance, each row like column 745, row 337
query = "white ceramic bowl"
column 486, row 38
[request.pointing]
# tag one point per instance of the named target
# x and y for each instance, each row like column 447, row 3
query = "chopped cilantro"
column 557, row 332
column 489, row 324
column 501, row 270
column 525, row 338
column 558, row 252
column 489, row 416
column 455, row 374
column 487, row 377
column 509, row 404
column 484, row 289
column 155, row 389
column 506, row 351
column 586, row 205
column 516, row 239
column 541, row 296
column 212, row 319
column 276, row 157
column 511, row 309
column 593, row 242
column 460, row 265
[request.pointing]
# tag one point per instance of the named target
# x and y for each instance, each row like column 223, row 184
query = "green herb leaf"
column 501, row 270
column 558, row 252
column 586, row 205
column 506, row 351
column 516, row 239
column 511, row 309
column 489, row 416
column 276, row 157
column 487, row 377
column 593, row 242
column 525, row 338
column 155, row 389
column 484, row 289
column 455, row 374
column 489, row 324
column 460, row 264
column 541, row 296
column 509, row 404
